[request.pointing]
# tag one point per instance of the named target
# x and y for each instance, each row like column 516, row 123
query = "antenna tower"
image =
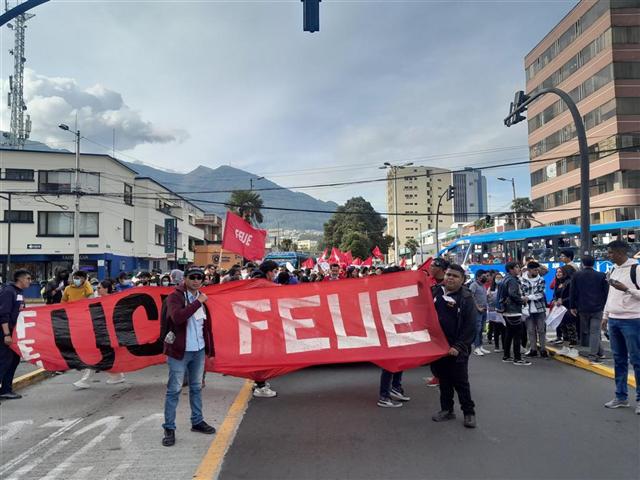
column 20, row 122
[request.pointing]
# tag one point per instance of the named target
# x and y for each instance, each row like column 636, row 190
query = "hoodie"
column 533, row 289
column 623, row 305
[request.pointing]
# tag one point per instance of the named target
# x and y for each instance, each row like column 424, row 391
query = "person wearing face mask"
column 54, row 288
column 479, row 292
column 78, row 289
column 533, row 287
column 496, row 320
column 165, row 281
column 144, row 279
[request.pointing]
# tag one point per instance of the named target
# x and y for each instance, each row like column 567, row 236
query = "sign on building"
column 170, row 235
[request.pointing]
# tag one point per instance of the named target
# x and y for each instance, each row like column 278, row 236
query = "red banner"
column 241, row 238
column 260, row 330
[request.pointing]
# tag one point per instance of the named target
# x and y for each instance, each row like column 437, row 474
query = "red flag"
column 241, row 238
column 336, row 255
column 425, row 266
column 357, row 261
column 348, row 258
column 403, row 262
column 377, row 253
column 324, row 254
column 308, row 263
column 368, row 262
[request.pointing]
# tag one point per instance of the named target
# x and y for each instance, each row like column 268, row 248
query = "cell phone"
column 170, row 338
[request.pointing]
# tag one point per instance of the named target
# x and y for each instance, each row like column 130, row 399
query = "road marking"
column 11, row 429
column 212, row 461
column 64, row 426
column 29, row 378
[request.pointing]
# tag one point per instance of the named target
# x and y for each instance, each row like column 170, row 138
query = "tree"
column 246, row 204
column 356, row 226
column 523, row 210
column 412, row 245
column 287, row 245
column 484, row 222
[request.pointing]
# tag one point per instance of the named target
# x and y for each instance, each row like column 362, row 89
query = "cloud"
column 99, row 110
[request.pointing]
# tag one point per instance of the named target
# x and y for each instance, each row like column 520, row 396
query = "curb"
column 583, row 363
column 30, row 378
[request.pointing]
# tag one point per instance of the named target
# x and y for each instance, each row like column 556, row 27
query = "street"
column 543, row 421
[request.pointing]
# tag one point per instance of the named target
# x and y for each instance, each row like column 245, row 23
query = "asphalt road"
column 546, row 421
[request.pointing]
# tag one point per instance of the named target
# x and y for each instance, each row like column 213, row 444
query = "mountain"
column 225, row 178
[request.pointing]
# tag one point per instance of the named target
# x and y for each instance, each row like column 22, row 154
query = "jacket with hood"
column 511, row 296
column 623, row 305
column 533, row 289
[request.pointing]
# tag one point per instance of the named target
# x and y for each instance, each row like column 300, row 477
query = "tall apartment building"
column 594, row 55
column 415, row 191
column 470, row 198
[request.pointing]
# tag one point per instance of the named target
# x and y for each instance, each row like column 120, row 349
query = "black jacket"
column 10, row 304
column 461, row 333
column 562, row 291
column 589, row 290
column 512, row 295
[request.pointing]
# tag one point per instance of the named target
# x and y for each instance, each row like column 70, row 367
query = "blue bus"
column 491, row 251
column 294, row 258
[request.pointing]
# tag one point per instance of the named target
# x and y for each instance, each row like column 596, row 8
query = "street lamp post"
column 394, row 172
column 449, row 192
column 513, row 185
column 518, row 106
column 251, row 182
column 76, row 212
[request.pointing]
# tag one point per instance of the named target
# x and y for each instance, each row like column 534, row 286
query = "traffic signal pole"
column 449, row 192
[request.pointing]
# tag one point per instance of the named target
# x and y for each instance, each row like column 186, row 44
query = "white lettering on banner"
column 245, row 325
column 370, row 339
column 23, row 342
column 390, row 320
column 244, row 237
column 289, row 324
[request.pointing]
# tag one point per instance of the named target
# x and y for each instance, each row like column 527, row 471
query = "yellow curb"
column 586, row 365
column 210, row 465
column 30, row 378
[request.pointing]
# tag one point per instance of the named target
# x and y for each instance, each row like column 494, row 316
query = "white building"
column 122, row 215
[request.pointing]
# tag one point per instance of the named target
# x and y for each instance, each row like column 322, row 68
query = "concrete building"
column 212, row 225
column 593, row 55
column 307, row 245
column 121, row 221
column 470, row 198
column 414, row 193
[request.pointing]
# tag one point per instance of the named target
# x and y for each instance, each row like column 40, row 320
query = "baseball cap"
column 194, row 271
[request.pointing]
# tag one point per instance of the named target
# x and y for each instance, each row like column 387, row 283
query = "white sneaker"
column 114, row 380
column 478, row 352
column 81, row 384
column 484, row 350
column 616, row 403
column 637, row 409
column 498, row 350
column 573, row 353
column 564, row 351
column 264, row 392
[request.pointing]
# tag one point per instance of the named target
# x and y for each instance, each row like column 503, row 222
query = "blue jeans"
column 389, row 380
column 193, row 362
column 624, row 335
column 481, row 320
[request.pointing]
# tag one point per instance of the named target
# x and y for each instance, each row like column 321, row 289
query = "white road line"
column 11, row 429
column 82, row 474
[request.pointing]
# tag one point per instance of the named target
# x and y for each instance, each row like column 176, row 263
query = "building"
column 414, row 194
column 307, row 245
column 593, row 55
column 122, row 215
column 212, row 225
column 470, row 197
column 213, row 254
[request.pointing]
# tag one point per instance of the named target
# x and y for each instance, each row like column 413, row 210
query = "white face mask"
column 165, row 283
column 77, row 282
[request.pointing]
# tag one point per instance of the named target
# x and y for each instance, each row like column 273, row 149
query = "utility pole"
column 6, row 271
column 450, row 193
column 519, row 106
column 76, row 212
column 513, row 185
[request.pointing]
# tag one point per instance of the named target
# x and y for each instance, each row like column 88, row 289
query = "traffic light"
column 451, row 191
column 515, row 114
column 311, row 15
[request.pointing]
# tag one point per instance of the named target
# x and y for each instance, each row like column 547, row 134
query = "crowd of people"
column 510, row 310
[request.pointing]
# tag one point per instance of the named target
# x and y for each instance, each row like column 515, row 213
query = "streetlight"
column 394, row 171
column 251, row 182
column 519, row 105
column 513, row 185
column 76, row 212
column 450, row 193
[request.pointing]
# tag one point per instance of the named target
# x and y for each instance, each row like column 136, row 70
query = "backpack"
column 633, row 275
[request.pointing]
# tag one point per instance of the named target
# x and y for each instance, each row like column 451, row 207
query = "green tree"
column 412, row 245
column 523, row 210
column 246, row 204
column 356, row 226
column 287, row 245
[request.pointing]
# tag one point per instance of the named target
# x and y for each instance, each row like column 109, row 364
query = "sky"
column 189, row 83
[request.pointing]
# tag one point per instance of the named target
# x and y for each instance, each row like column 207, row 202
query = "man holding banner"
column 186, row 343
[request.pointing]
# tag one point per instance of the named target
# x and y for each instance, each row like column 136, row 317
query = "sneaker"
column 521, row 362
column 564, row 351
column 443, row 416
column 638, row 409
column 470, row 421
column 388, row 403
column 81, row 384
column 114, row 380
column 596, row 361
column 617, row 403
column 203, row 427
column 264, row 392
column 484, row 350
column 531, row 353
column 433, row 382
column 557, row 341
column 169, row 439
column 544, row 354
column 10, row 396
column 266, row 384
column 497, row 350
column 399, row 395
column 478, row 351
column 507, row 359
column 573, row 353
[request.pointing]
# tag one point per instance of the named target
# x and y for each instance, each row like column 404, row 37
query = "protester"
column 533, row 287
column 562, row 297
column 496, row 320
column 54, row 288
column 187, row 342
column 334, row 273
column 232, row 275
column 104, row 288
column 144, row 279
column 165, row 281
column 11, row 302
column 437, row 269
column 479, row 292
column 511, row 300
column 78, row 289
column 457, row 316
column 123, row 282
column 566, row 256
column 177, row 276
column 589, row 290
column 622, row 316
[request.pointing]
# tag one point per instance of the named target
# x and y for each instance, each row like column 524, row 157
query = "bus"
column 491, row 251
column 294, row 258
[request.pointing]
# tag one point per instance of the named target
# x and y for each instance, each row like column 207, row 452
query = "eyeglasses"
column 195, row 277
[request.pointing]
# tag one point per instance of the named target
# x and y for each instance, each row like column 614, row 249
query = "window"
column 18, row 216
column 18, row 174
column 128, row 194
column 61, row 181
column 127, row 231
column 60, row 224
